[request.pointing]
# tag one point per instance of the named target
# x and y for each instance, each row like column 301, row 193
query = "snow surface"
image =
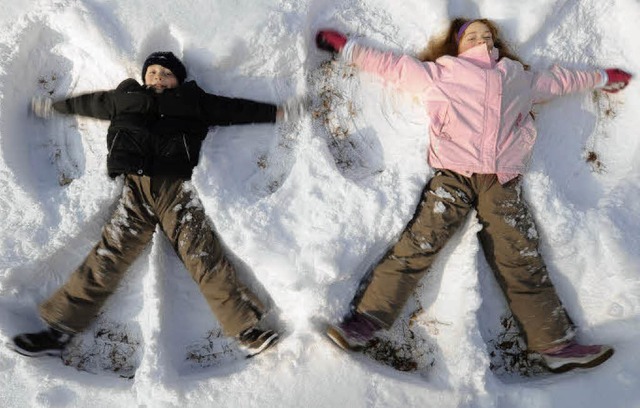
column 307, row 208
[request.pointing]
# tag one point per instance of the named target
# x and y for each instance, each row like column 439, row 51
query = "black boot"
column 254, row 340
column 48, row 342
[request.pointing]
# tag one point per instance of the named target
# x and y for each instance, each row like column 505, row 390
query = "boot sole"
column 27, row 353
column 336, row 336
column 590, row 364
column 267, row 344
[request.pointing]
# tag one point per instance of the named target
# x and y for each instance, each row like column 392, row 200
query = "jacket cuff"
column 347, row 51
column 60, row 106
column 604, row 80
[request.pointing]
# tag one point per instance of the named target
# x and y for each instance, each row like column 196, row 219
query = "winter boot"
column 48, row 342
column 354, row 332
column 574, row 355
column 254, row 340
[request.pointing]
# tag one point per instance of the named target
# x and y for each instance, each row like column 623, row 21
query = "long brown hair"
column 447, row 42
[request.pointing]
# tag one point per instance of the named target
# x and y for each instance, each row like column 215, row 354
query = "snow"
column 306, row 211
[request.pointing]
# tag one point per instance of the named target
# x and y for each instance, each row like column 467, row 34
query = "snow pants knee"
column 510, row 243
column 145, row 203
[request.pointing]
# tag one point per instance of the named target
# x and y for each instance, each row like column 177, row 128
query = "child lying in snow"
column 479, row 98
column 154, row 141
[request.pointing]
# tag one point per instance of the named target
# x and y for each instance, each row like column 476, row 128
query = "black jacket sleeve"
column 223, row 111
column 97, row 105
column 106, row 104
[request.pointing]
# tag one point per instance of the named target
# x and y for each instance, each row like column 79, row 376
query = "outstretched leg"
column 185, row 223
column 444, row 207
column 445, row 203
column 74, row 306
column 510, row 242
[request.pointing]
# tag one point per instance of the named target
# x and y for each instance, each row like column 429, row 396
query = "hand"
column 617, row 80
column 329, row 40
column 41, row 106
column 294, row 108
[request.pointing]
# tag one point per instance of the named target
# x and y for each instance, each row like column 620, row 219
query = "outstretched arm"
column 223, row 111
column 559, row 81
column 402, row 70
column 99, row 105
column 94, row 105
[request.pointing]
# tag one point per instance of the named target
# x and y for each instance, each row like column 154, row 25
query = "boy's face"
column 160, row 78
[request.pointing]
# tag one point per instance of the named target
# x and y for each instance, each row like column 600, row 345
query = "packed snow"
column 306, row 208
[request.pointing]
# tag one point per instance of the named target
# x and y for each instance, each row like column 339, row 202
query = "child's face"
column 160, row 78
column 477, row 33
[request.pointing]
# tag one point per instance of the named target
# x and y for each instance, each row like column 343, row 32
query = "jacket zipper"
column 186, row 147
column 115, row 138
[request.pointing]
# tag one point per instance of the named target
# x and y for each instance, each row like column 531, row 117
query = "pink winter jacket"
column 479, row 107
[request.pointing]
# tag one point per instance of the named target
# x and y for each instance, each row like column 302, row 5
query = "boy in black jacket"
column 154, row 141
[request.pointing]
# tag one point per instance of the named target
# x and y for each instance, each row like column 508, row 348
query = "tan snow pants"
column 510, row 243
column 146, row 202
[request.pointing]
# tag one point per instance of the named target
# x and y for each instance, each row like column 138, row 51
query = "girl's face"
column 477, row 33
column 160, row 78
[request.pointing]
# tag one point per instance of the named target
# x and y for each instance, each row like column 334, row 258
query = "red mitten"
column 617, row 80
column 329, row 40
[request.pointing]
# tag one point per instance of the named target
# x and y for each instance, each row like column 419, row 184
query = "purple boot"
column 354, row 332
column 574, row 355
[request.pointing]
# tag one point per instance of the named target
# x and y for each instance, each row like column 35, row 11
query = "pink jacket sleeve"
column 559, row 81
column 401, row 70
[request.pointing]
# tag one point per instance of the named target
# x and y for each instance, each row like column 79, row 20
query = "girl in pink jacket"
column 478, row 96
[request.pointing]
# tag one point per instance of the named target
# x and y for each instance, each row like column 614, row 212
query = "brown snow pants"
column 510, row 243
column 146, row 202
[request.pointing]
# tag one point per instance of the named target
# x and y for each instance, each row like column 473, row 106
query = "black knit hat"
column 167, row 60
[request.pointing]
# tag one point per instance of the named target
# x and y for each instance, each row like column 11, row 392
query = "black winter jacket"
column 161, row 134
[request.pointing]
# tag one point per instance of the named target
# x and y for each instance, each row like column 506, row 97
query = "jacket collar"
column 479, row 56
